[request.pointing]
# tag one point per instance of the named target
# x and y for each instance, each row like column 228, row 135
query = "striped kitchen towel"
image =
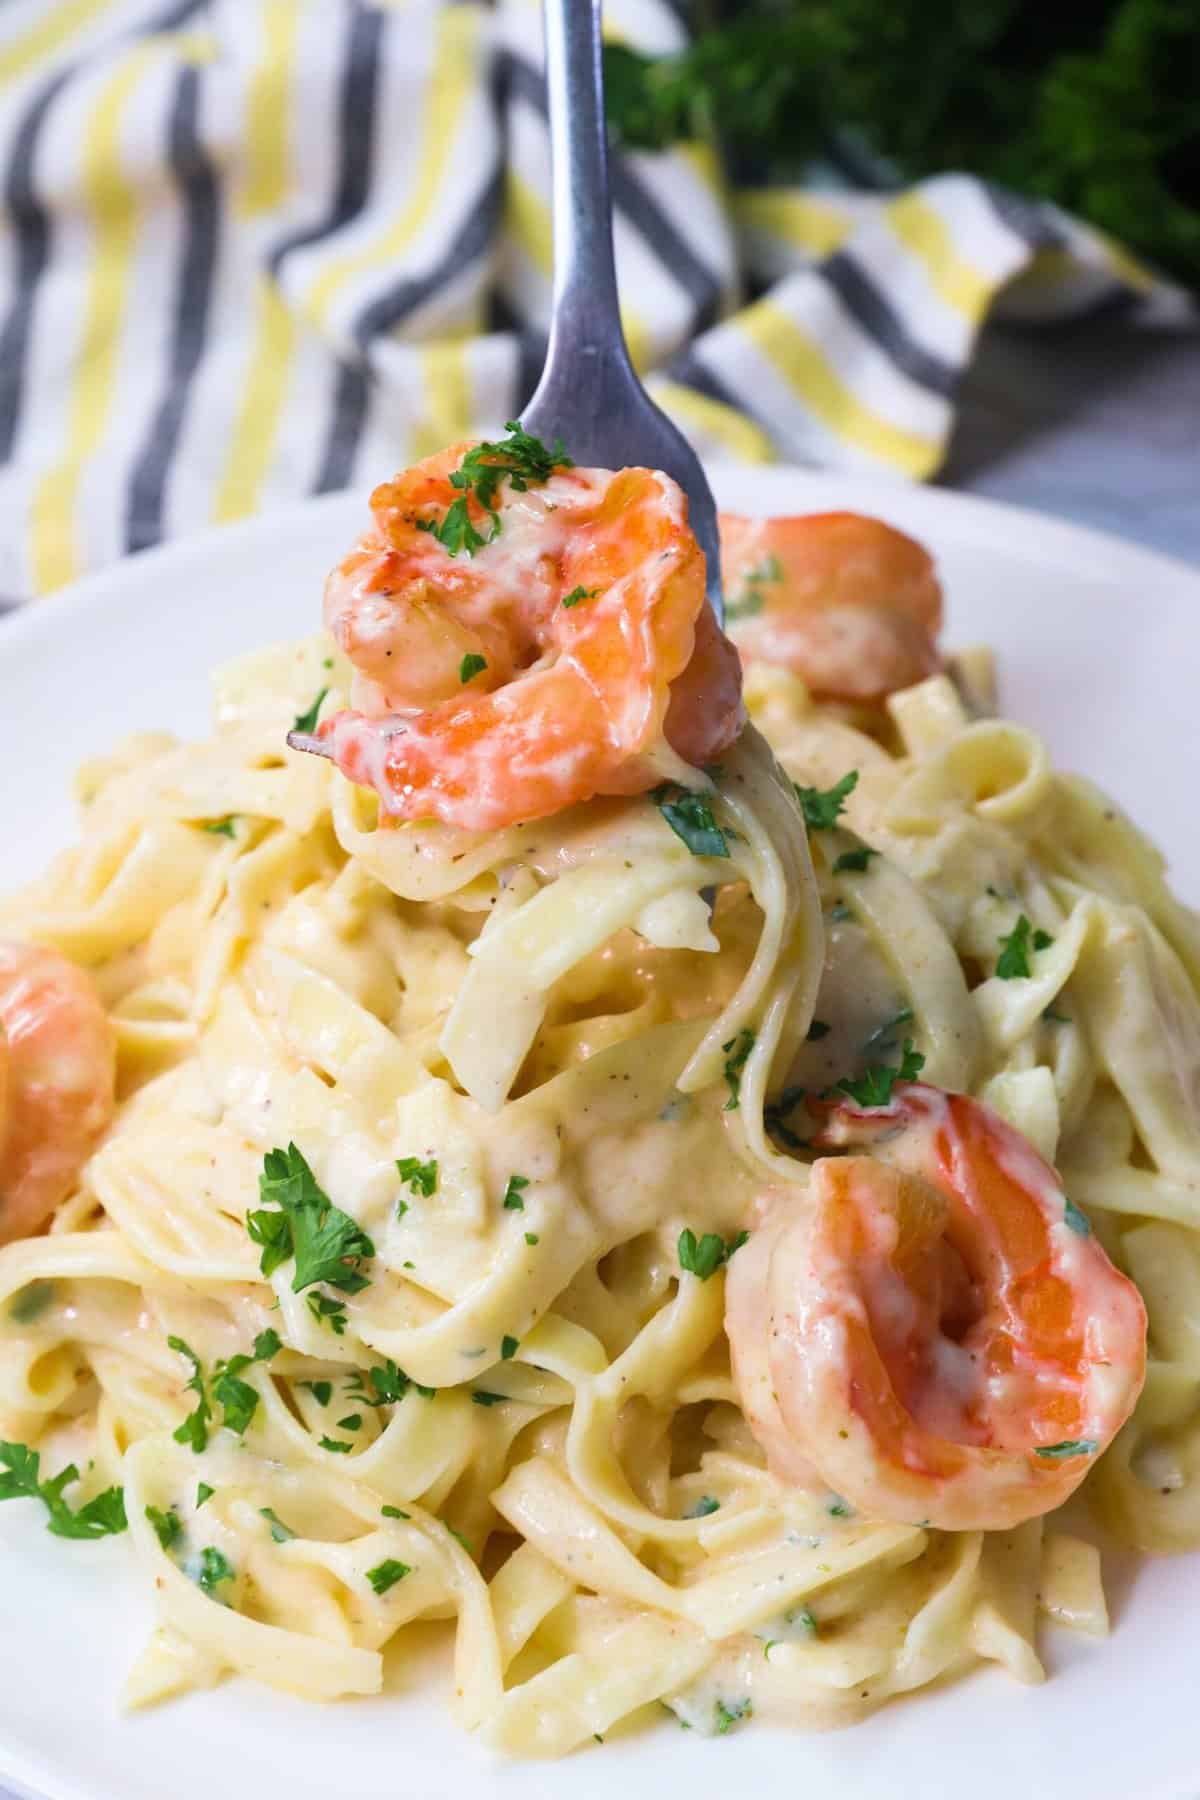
column 252, row 250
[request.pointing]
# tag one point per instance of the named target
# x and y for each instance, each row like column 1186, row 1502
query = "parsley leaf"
column 281, row 1533
column 203, row 1493
column 838, row 1509
column 29, row 1302
column 578, row 594
column 726, row 1717
column 221, row 827
column 1013, row 961
column 817, row 1030
column 750, row 597
column 531, row 1238
column 237, row 1399
column 704, row 1257
column 1078, row 1221
column 211, row 1568
column 1068, row 1447
column 737, row 1050
column 822, row 806
column 512, row 1201
column 321, row 1391
column 874, row 1088
column 508, row 1348
column 520, row 459
column 168, row 1526
column 327, row 1309
column 690, row 817
column 327, row 1243
column 482, row 1397
column 703, row 1508
column 351, row 1422
column 471, row 665
column 335, row 1446
column 853, row 862
column 777, row 1113
column 307, row 721
column 20, row 1478
column 394, row 1512
column 421, row 1177
column 386, row 1574
column 194, row 1430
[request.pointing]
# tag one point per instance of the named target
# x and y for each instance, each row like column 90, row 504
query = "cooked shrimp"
column 938, row 1334
column 538, row 672
column 57, row 1070
column 845, row 602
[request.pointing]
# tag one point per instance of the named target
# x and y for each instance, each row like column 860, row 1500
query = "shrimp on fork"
column 543, row 666
column 57, row 1074
column 847, row 603
column 938, row 1337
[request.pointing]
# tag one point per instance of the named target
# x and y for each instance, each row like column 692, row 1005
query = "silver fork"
column 589, row 394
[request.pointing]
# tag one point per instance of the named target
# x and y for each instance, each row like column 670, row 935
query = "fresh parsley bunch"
column 1090, row 106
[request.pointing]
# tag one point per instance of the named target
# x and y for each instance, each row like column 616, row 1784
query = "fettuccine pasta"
column 446, row 1144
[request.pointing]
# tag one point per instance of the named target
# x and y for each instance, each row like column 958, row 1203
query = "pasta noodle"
column 522, row 1063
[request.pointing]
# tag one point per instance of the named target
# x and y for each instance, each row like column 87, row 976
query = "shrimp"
column 939, row 1337
column 542, row 670
column 57, row 1074
column 844, row 601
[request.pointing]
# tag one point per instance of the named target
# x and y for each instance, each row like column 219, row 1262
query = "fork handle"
column 586, row 338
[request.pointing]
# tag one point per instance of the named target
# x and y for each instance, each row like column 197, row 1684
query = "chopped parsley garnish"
column 222, row 827
column 1078, row 1221
column 482, row 1397
column 875, row 1087
column 521, row 459
column 690, row 817
column 818, row 1030
column 578, row 594
column 168, row 1526
column 194, row 1430
column 1013, row 961
column 703, row 1508
column 838, row 1509
column 282, row 1534
column 460, row 1539
column 321, row 1391
column 805, row 1619
column 1068, row 1447
column 531, row 1237
column 236, row 1398
column 421, row 1177
column 750, row 598
column 736, row 1051
column 512, row 1201
column 307, row 721
column 212, row 1567
column 471, row 665
column 704, row 1257
column 327, row 1309
column 822, row 806
column 394, row 1512
column 20, row 1478
column 303, row 1222
column 351, row 1422
column 726, row 1717
column 853, row 862
column 508, row 1348
column 335, row 1446
column 29, row 1302
column 203, row 1493
column 381, row 1386
column 386, row 1574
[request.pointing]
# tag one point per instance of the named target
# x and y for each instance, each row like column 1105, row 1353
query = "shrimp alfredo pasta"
column 677, row 1198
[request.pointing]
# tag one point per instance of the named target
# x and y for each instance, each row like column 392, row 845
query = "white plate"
column 1099, row 647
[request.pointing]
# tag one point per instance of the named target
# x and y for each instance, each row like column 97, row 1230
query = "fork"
column 589, row 394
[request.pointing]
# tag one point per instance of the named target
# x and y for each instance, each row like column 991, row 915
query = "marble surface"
column 1098, row 423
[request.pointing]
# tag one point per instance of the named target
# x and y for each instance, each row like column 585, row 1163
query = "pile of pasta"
column 516, row 1070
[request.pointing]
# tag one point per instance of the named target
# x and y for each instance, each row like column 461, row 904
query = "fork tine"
column 304, row 740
